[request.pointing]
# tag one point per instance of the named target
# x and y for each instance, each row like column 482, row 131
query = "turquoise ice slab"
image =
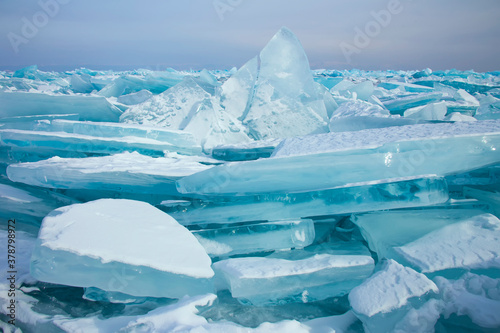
column 94, row 108
column 120, row 130
column 126, row 172
column 89, row 144
column 434, row 240
column 268, row 281
column 396, row 299
column 245, row 151
column 250, row 238
column 123, row 246
column 386, row 194
column 335, row 159
column 398, row 104
column 489, row 197
column 29, row 205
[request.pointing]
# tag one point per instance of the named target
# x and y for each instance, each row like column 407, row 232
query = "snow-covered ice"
column 120, row 245
column 287, row 199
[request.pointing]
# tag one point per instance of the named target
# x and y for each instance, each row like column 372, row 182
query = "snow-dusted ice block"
column 387, row 194
column 329, row 160
column 126, row 172
column 258, row 237
column 396, row 299
column 266, row 281
column 171, row 109
column 121, row 245
column 93, row 108
column 470, row 244
column 88, row 144
column 188, row 106
column 435, row 239
column 471, row 296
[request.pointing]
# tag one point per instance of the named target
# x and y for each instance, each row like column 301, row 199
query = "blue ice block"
column 88, row 107
column 256, row 237
column 398, row 104
column 271, row 281
column 387, row 194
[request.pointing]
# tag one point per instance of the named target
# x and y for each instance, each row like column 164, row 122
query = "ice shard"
column 121, row 245
column 212, row 126
column 387, row 301
column 286, row 101
column 400, row 103
column 245, row 151
column 126, row 172
column 183, row 140
column 135, row 98
column 431, row 111
column 93, row 108
column 329, row 160
column 256, row 237
column 387, row 194
column 408, row 87
column 434, row 240
column 267, row 281
column 237, row 92
column 463, row 103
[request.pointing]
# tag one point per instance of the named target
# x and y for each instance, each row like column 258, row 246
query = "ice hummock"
column 406, row 121
column 121, row 245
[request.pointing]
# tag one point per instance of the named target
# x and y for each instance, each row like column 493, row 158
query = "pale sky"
column 220, row 34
